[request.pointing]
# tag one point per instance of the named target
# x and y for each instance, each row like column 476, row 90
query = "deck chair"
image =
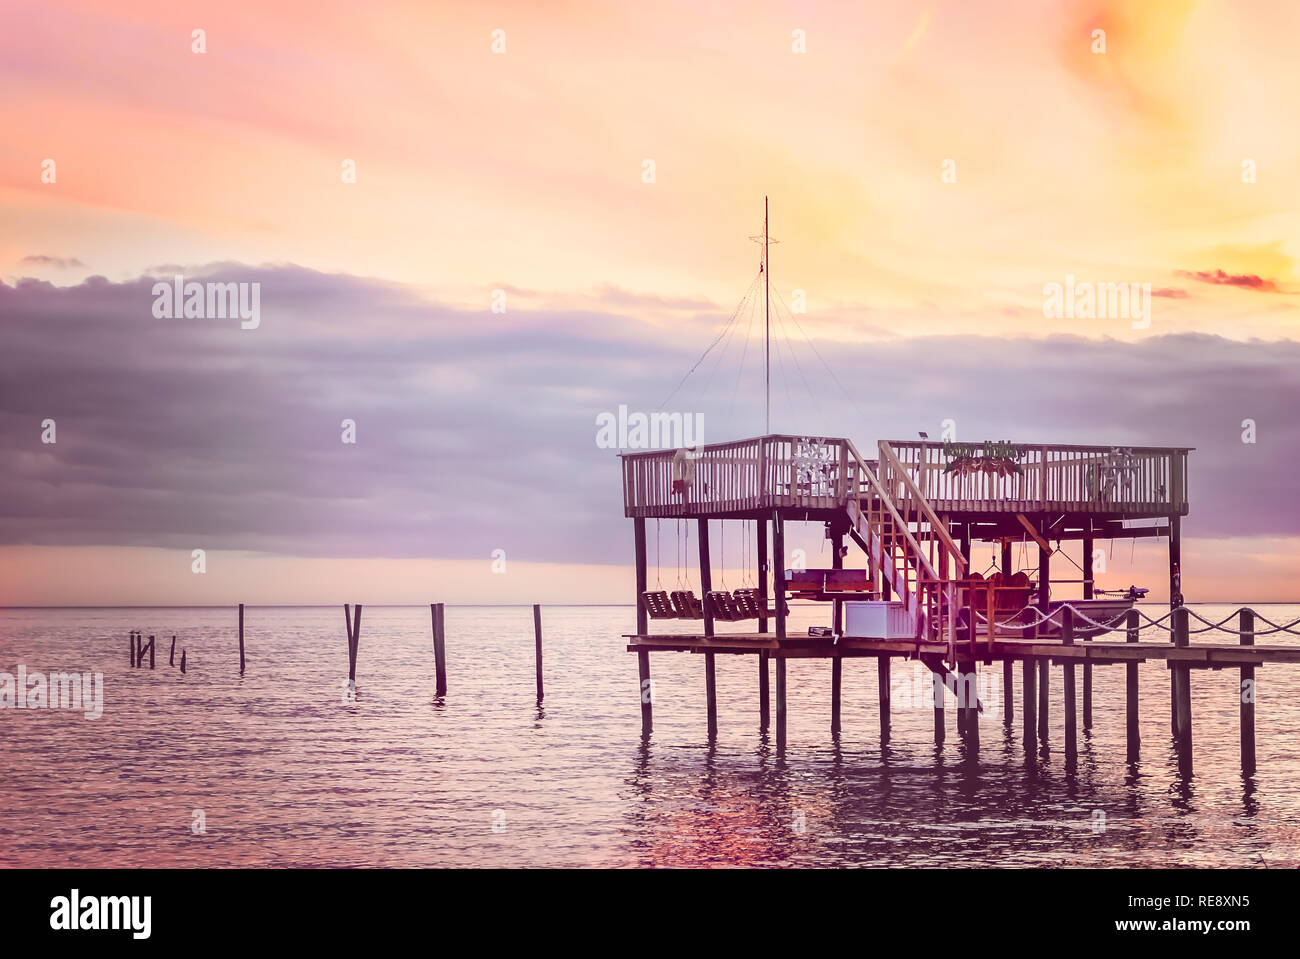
column 722, row 606
column 686, row 605
column 658, row 605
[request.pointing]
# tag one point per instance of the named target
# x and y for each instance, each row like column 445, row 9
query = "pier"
column 913, row 513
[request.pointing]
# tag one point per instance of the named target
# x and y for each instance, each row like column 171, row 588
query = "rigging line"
column 748, row 292
column 797, row 365
column 847, row 394
column 717, row 363
column 749, row 329
column 780, row 365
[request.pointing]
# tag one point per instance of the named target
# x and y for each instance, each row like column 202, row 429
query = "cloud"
column 477, row 431
column 59, row 262
column 1247, row 281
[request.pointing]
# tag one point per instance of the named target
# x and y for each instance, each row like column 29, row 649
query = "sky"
column 550, row 218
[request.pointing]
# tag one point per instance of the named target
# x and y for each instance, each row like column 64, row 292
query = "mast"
column 767, row 328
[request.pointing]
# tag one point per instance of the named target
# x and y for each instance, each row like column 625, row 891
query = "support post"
column 761, row 525
column 1132, row 724
column 438, row 611
column 241, row 639
column 646, row 688
column 1044, row 578
column 1008, row 691
column 1044, row 686
column 638, row 535
column 537, row 642
column 764, row 697
column 1067, row 672
column 1028, row 672
column 778, row 587
column 171, row 656
column 352, row 620
column 1175, row 561
column 837, row 562
column 1181, row 681
column 940, row 722
column 182, row 660
column 1087, row 666
column 1247, row 695
column 130, row 647
column 837, row 676
column 882, row 682
column 780, row 703
column 151, row 647
column 711, row 694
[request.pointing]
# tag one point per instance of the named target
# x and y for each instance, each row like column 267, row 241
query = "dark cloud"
column 477, row 430
column 59, row 262
column 1248, row 281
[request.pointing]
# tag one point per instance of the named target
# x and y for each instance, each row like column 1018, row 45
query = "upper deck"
column 824, row 473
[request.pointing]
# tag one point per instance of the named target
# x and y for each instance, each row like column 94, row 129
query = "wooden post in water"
column 837, row 676
column 1132, row 724
column 1067, row 670
column 241, row 639
column 1181, row 682
column 1087, row 666
column 437, row 611
column 139, row 650
column 1247, row 695
column 1044, row 687
column 940, row 722
column 647, row 692
column 1008, row 692
column 780, row 703
column 1028, row 671
column 353, row 625
column 882, row 682
column 706, row 584
column 171, row 656
column 764, row 698
column 182, row 660
column 130, row 647
column 537, row 637
column 151, row 646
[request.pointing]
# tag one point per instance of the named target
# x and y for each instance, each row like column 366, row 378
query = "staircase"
column 883, row 506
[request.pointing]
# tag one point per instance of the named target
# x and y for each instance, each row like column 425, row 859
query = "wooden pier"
column 914, row 512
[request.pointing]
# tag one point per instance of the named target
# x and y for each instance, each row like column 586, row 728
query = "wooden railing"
column 759, row 473
column 1097, row 479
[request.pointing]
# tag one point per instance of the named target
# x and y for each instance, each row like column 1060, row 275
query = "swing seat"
column 723, row 606
column 658, row 605
column 686, row 605
column 747, row 603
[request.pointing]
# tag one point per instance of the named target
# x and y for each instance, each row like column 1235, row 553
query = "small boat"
column 1107, row 611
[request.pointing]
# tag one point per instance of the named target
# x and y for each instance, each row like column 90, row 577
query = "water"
column 288, row 774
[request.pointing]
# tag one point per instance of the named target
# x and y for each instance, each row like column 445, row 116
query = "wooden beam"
column 1033, row 532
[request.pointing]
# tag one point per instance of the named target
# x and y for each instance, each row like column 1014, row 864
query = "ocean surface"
column 275, row 768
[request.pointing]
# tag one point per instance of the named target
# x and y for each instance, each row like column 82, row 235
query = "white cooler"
column 876, row 620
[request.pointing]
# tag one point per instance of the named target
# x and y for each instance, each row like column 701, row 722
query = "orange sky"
column 523, row 169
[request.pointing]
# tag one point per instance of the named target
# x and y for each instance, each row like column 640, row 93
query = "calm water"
column 288, row 774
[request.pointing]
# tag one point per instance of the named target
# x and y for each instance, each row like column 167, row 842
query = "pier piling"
column 1247, row 693
column 940, row 722
column 130, row 647
column 151, row 647
column 1067, row 674
column 780, row 703
column 1180, row 682
column 1030, row 719
column 1044, row 688
column 882, row 681
column 438, row 612
column 711, row 693
column 764, row 698
column 182, row 660
column 837, row 676
column 537, row 642
column 1008, row 692
column 1131, row 723
column 241, row 639
column 352, row 620
column 171, row 655
column 647, row 692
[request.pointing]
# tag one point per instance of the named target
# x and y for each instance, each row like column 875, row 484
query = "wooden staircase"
column 889, row 519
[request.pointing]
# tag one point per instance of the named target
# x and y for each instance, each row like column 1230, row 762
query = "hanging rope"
column 658, row 551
